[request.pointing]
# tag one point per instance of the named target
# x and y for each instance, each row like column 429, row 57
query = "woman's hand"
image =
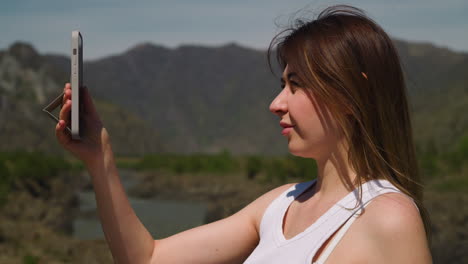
column 94, row 136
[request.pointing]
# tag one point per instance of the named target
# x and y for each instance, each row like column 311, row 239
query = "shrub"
column 22, row 165
column 29, row 259
column 221, row 162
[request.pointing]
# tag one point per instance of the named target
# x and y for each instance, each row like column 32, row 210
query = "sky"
column 112, row 26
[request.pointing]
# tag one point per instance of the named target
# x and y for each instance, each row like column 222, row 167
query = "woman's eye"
column 293, row 85
column 296, row 84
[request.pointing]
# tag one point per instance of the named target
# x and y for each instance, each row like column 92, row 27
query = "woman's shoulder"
column 394, row 227
column 265, row 199
column 259, row 205
column 399, row 206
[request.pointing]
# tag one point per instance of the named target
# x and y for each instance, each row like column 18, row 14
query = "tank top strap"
column 270, row 214
column 345, row 215
column 338, row 236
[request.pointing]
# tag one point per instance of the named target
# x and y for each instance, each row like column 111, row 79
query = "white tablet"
column 76, row 79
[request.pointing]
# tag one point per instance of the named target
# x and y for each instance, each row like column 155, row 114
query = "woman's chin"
column 300, row 150
column 295, row 150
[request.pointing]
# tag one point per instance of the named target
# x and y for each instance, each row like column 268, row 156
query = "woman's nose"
column 279, row 105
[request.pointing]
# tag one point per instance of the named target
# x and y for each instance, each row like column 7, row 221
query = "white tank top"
column 275, row 248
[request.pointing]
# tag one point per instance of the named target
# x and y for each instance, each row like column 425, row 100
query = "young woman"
column 343, row 103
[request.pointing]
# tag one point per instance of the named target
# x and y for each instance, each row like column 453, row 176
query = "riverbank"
column 36, row 223
column 224, row 194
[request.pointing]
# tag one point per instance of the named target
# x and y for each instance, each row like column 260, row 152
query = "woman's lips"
column 286, row 130
column 286, row 127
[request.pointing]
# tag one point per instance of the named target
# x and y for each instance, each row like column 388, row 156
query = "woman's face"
column 313, row 132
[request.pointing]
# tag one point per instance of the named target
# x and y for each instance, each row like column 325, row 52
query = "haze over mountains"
column 206, row 99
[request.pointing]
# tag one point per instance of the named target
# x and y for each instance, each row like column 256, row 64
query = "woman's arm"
column 230, row 240
column 129, row 241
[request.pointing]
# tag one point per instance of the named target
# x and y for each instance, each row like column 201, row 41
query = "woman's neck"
column 335, row 175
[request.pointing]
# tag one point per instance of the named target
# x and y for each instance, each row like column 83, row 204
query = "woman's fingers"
column 66, row 96
column 66, row 93
column 86, row 103
column 65, row 112
column 62, row 134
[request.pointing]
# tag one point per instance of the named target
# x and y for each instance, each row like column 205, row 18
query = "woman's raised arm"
column 229, row 240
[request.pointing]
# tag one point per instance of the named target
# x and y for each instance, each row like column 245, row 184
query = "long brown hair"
column 354, row 70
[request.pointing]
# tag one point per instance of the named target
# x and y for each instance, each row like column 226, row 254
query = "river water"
column 162, row 218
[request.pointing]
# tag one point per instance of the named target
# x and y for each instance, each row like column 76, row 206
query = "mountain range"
column 206, row 99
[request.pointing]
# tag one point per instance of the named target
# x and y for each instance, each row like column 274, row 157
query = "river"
column 162, row 218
